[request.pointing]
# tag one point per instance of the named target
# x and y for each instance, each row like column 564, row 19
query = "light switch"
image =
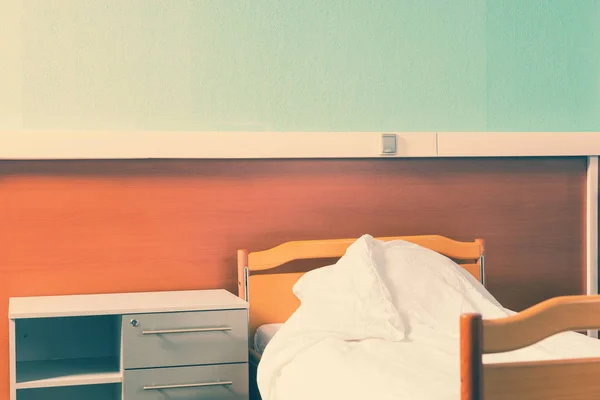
column 388, row 143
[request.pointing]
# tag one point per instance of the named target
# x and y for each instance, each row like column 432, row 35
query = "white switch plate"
column 388, row 144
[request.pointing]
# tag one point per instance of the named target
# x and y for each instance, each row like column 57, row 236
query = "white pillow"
column 349, row 298
column 429, row 288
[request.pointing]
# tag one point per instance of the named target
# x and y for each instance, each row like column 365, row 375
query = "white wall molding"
column 591, row 224
column 121, row 145
column 518, row 144
column 23, row 145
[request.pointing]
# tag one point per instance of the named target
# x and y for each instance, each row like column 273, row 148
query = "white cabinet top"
column 122, row 303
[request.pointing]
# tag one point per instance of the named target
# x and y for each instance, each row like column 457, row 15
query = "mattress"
column 263, row 336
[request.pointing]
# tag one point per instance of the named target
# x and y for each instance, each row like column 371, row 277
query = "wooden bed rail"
column 556, row 315
column 573, row 379
column 311, row 249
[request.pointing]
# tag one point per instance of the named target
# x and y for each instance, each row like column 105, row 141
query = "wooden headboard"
column 270, row 294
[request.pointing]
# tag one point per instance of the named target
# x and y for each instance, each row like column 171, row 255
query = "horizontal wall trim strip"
column 123, row 145
column 518, row 144
column 30, row 145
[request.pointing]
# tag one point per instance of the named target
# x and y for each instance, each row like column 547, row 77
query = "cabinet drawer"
column 216, row 382
column 185, row 338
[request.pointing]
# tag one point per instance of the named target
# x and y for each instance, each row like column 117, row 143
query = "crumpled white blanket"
column 364, row 330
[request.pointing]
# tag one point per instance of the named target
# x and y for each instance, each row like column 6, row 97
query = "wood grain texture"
column 335, row 248
column 575, row 378
column 545, row 319
column 471, row 357
column 113, row 226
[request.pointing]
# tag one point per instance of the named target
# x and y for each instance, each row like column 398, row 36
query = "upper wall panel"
column 258, row 65
column 543, row 65
column 305, row 66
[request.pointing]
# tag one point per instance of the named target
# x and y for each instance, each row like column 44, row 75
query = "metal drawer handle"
column 188, row 385
column 187, row 330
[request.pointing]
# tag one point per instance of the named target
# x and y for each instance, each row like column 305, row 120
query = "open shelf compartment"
column 67, row 351
column 80, row 371
column 87, row 392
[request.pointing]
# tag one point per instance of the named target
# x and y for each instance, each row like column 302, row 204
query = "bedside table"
column 130, row 346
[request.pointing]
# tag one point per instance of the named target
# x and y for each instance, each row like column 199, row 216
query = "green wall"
column 309, row 65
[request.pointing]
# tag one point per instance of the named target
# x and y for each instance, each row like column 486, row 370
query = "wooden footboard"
column 573, row 379
column 254, row 359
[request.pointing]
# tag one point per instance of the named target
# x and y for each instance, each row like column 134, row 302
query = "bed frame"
column 574, row 379
column 270, row 295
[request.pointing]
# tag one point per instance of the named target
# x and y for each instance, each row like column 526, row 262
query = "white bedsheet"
column 348, row 340
column 425, row 368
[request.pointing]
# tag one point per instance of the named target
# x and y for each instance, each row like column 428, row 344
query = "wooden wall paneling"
column 132, row 225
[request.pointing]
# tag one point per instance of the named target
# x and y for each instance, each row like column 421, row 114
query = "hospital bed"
column 270, row 295
column 533, row 375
